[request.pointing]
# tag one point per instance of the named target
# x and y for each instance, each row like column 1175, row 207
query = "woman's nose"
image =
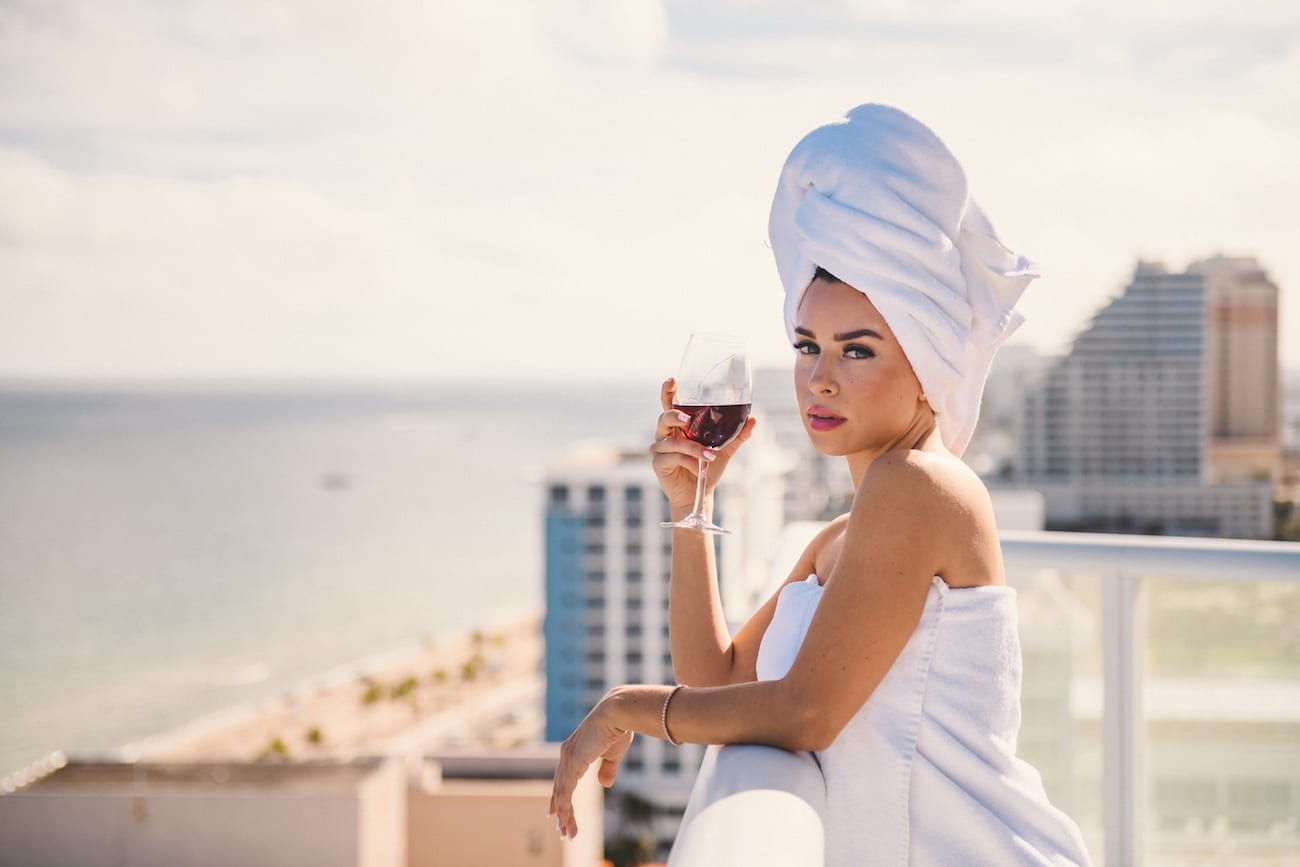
column 822, row 379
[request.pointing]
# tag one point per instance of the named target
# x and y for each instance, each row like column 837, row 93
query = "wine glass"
column 713, row 388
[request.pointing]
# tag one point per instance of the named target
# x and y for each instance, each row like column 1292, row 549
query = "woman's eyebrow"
column 861, row 332
column 847, row 335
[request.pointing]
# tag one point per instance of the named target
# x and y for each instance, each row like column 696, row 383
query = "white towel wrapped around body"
column 925, row 773
column 880, row 202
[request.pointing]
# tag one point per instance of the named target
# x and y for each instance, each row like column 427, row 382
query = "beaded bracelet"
column 663, row 717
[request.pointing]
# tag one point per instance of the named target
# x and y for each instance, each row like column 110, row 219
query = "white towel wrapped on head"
column 878, row 200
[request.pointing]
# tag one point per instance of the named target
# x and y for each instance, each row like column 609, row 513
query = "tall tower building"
column 607, row 572
column 1120, row 435
column 606, row 623
column 1128, row 399
column 1245, row 425
column 608, row 567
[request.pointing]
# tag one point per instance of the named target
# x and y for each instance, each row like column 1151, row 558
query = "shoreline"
column 333, row 701
column 357, row 707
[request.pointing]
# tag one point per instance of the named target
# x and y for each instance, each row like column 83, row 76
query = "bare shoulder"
column 822, row 552
column 939, row 498
column 833, row 530
column 940, row 478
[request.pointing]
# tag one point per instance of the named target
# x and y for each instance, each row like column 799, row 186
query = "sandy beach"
column 483, row 687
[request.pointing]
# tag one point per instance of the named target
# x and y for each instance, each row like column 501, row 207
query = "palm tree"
column 629, row 851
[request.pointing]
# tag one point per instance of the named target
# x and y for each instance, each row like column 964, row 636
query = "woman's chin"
column 828, row 444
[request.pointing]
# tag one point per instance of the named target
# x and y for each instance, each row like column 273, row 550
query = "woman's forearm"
column 757, row 712
column 697, row 630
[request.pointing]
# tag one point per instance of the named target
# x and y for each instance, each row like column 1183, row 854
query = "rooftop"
column 297, row 776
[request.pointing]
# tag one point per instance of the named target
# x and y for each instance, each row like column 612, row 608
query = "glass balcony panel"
column 1222, row 709
column 1217, row 682
column 1061, row 694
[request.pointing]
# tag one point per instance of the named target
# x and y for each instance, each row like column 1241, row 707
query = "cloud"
column 1203, row 40
column 245, row 275
column 511, row 189
column 631, row 32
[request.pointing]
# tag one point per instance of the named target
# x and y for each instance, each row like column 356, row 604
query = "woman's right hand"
column 676, row 459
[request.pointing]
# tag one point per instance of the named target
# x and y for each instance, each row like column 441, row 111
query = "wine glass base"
column 698, row 523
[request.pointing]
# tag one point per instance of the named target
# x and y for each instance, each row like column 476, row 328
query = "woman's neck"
column 921, row 435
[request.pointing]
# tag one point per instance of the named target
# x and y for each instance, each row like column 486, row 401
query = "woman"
column 891, row 650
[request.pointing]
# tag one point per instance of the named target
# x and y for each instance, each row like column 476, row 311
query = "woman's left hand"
column 594, row 738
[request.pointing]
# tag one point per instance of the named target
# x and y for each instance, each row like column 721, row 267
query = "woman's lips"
column 821, row 419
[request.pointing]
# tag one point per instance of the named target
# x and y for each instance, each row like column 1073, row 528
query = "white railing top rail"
column 1181, row 557
column 753, row 806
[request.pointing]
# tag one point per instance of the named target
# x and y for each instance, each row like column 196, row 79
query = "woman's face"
column 856, row 389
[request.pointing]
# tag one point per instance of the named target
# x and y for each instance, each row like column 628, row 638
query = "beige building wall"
column 1244, row 394
column 381, row 820
column 208, row 815
column 475, row 810
column 478, row 822
column 1241, row 460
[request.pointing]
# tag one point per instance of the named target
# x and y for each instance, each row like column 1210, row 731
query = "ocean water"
column 166, row 553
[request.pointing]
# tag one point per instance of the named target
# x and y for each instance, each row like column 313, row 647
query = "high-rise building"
column 1128, row 399
column 607, row 564
column 607, row 575
column 607, row 569
column 1245, row 425
column 1138, row 428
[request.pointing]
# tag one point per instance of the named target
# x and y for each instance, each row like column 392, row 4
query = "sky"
column 556, row 189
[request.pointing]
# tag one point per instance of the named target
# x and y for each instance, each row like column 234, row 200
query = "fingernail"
column 681, row 416
column 710, row 454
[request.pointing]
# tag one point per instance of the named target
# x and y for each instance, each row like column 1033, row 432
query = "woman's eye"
column 806, row 347
column 858, row 352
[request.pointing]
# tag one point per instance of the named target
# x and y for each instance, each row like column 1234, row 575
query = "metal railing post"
column 1123, row 727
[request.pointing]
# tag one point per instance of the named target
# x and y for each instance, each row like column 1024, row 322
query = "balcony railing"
column 759, row 806
column 753, row 805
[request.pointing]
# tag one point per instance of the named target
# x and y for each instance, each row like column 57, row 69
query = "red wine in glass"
column 714, row 425
column 714, row 388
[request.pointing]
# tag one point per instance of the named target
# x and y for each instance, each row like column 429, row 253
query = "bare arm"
column 704, row 652
column 698, row 636
column 737, row 661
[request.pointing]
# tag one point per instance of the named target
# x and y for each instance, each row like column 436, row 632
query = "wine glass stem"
column 699, row 488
